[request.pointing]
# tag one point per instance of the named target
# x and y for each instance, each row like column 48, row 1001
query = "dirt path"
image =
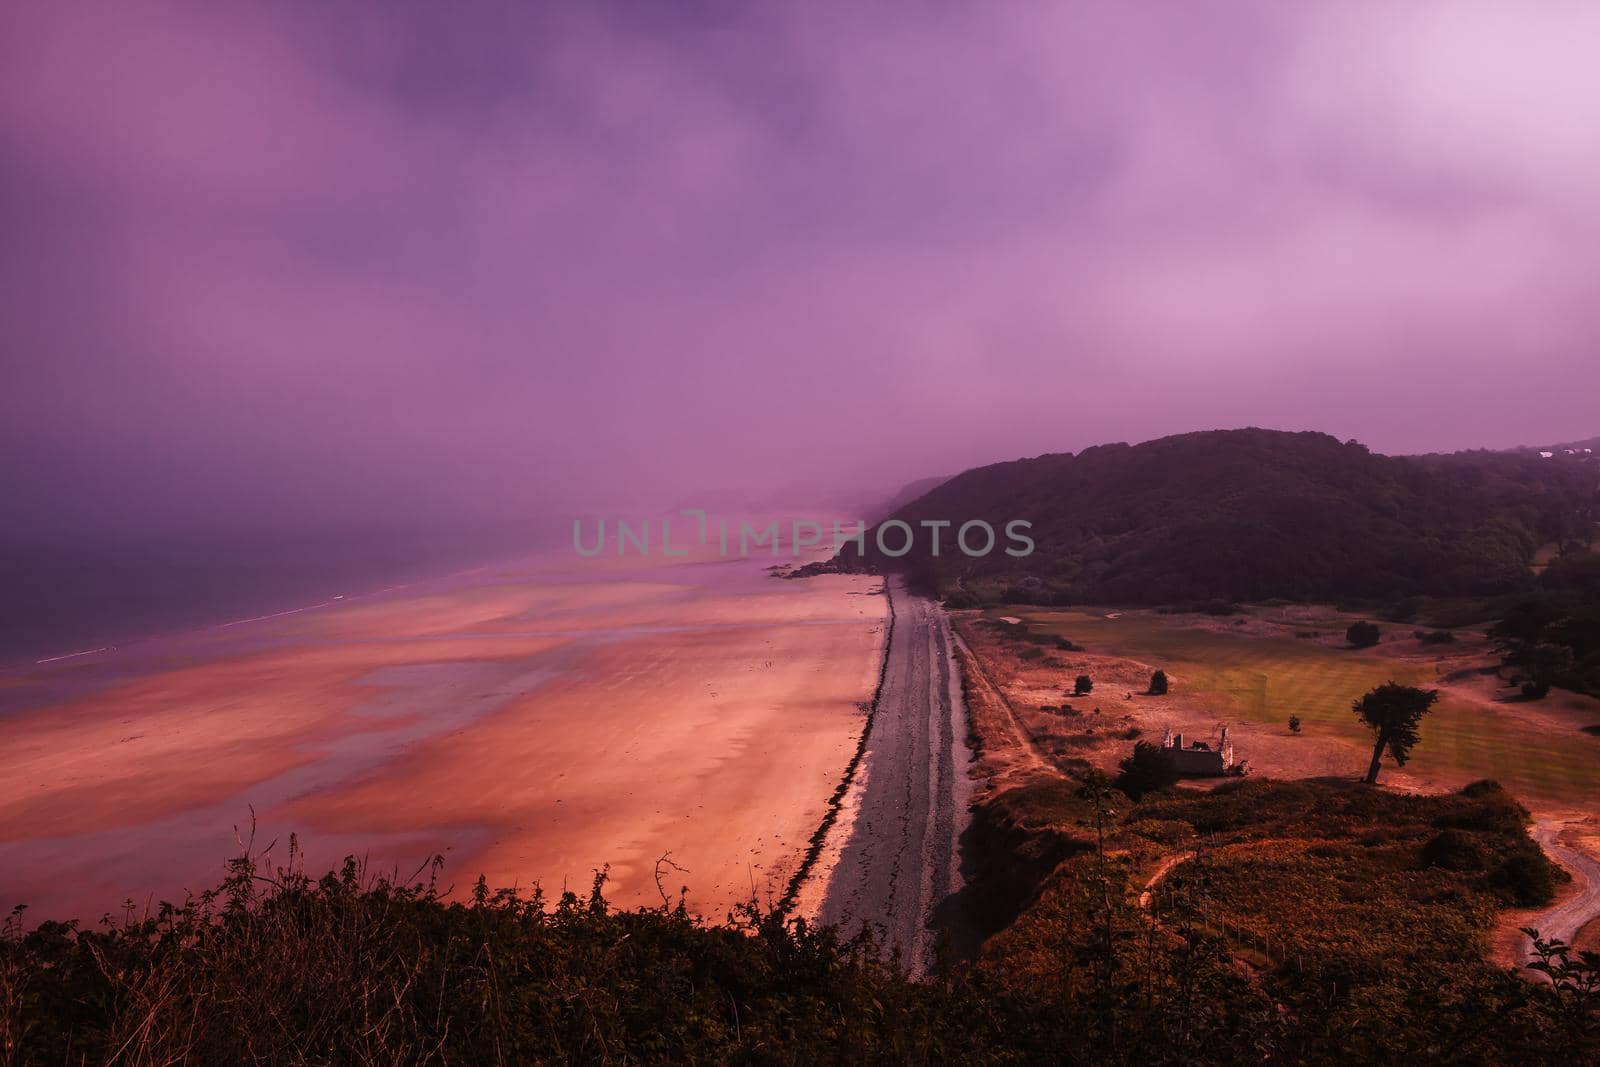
column 1033, row 756
column 1567, row 918
column 901, row 859
column 1162, row 870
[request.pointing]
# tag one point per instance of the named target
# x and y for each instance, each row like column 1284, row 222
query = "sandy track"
column 1033, row 757
column 1163, row 869
column 901, row 857
column 1565, row 919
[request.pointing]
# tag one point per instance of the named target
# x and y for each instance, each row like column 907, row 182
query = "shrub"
column 1083, row 686
column 1148, row 769
column 1363, row 634
column 1028, row 590
column 1454, row 850
column 1158, row 684
column 1526, row 877
column 961, row 600
column 922, row 579
column 1294, row 724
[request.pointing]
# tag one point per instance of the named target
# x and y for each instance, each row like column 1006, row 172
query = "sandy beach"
column 529, row 723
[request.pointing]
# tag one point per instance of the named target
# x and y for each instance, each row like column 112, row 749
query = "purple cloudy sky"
column 332, row 260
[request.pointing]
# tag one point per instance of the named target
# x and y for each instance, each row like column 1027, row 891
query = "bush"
column 1148, row 769
column 1526, row 877
column 1363, row 634
column 962, row 600
column 1028, row 590
column 1483, row 806
column 1436, row 637
column 1158, row 684
column 278, row 967
column 1454, row 850
column 1083, row 686
column 922, row 579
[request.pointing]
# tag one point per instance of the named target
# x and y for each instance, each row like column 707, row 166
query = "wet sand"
column 529, row 723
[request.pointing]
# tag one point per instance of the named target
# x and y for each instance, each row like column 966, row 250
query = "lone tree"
column 1158, row 684
column 1363, row 634
column 1393, row 711
column 1294, row 724
column 1083, row 686
column 1148, row 769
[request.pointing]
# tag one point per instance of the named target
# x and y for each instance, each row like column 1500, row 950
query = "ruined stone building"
column 1199, row 759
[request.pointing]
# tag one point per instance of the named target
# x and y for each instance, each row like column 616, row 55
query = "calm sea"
column 58, row 600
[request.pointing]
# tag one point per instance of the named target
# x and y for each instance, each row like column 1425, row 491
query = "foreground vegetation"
column 1320, row 921
column 1362, row 941
column 277, row 967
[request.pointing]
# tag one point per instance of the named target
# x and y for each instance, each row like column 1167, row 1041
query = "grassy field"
column 1266, row 679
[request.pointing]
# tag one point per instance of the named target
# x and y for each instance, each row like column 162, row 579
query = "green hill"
column 1248, row 515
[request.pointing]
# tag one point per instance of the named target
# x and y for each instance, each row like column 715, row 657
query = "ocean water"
column 61, row 600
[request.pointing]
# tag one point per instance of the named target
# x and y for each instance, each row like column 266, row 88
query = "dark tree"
column 1574, row 572
column 1393, row 712
column 1148, row 769
column 1363, row 634
column 1158, row 684
column 1546, row 663
column 1294, row 724
column 1083, row 686
column 1552, row 638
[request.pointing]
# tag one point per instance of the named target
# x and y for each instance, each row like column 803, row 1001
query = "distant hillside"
column 1590, row 445
column 907, row 494
column 1587, row 450
column 1252, row 515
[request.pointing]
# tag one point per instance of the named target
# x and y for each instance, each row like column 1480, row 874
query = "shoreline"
column 528, row 726
column 819, row 839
